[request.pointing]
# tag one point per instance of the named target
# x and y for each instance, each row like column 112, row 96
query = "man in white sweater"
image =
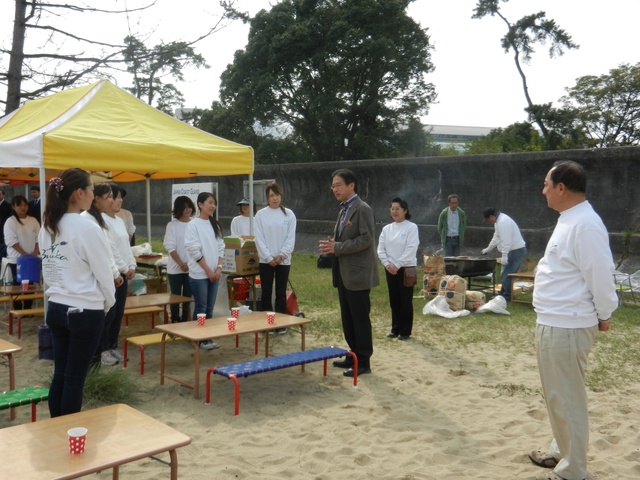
column 574, row 298
column 508, row 239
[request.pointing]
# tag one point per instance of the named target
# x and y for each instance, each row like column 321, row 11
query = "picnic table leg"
column 256, row 342
column 174, row 464
column 10, row 317
column 12, row 381
column 196, row 385
column 116, row 472
column 266, row 344
column 162, row 352
column 302, row 345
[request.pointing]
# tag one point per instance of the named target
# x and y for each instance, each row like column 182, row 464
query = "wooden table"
column 529, row 276
column 7, row 349
column 215, row 328
column 150, row 262
column 157, row 300
column 15, row 293
column 118, row 434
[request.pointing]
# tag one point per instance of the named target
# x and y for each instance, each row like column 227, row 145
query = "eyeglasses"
column 337, row 185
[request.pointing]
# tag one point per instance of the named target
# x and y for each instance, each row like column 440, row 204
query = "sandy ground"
column 424, row 413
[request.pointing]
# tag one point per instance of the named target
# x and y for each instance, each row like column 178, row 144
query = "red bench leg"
column 207, row 400
column 19, row 326
column 355, row 368
column 125, row 353
column 153, row 320
column 141, row 348
column 33, row 411
column 235, row 380
column 126, row 320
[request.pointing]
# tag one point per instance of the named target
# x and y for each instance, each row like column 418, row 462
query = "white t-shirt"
column 114, row 268
column 275, row 234
column 174, row 242
column 24, row 234
column 398, row 244
column 76, row 267
column 200, row 241
column 240, row 226
column 119, row 241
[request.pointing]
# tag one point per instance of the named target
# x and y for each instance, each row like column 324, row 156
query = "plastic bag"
column 142, row 249
column 496, row 305
column 439, row 306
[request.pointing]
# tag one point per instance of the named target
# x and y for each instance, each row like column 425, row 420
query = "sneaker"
column 106, row 358
column 209, row 345
column 281, row 331
column 115, row 353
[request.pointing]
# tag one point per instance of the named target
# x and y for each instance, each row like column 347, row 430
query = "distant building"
column 454, row 135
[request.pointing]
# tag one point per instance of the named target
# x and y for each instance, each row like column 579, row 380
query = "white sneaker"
column 107, row 358
column 115, row 353
column 209, row 345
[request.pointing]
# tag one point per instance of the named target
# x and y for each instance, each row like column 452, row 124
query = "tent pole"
column 251, row 232
column 148, row 192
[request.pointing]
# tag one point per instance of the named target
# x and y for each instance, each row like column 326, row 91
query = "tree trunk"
column 14, row 74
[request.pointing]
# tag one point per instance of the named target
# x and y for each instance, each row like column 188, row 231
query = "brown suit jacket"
column 355, row 249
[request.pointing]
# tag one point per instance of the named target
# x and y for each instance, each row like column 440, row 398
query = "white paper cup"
column 77, row 439
column 271, row 318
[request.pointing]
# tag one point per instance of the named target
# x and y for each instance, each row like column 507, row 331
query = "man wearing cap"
column 34, row 205
column 241, row 225
column 508, row 239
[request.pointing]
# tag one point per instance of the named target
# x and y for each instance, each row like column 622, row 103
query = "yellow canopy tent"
column 105, row 130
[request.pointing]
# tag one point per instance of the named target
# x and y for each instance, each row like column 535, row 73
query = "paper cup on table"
column 235, row 312
column 77, row 439
column 271, row 318
column 201, row 317
column 24, row 286
column 231, row 323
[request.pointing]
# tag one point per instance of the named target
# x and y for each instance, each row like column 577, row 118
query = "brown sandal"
column 542, row 459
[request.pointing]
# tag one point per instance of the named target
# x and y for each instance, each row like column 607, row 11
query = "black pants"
column 355, row 306
column 401, row 303
column 267, row 276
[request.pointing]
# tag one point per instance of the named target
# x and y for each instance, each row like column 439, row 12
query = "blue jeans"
column 204, row 296
column 452, row 247
column 514, row 259
column 75, row 338
column 179, row 284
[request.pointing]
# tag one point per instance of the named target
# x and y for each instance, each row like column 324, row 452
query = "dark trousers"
column 114, row 318
column 75, row 337
column 179, row 284
column 401, row 303
column 452, row 247
column 355, row 307
column 267, row 276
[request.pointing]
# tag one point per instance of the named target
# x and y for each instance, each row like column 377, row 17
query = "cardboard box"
column 240, row 256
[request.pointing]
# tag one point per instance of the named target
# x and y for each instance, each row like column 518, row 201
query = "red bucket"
column 241, row 289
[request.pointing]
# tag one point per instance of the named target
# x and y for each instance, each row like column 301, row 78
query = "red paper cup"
column 271, row 318
column 235, row 312
column 231, row 323
column 201, row 317
column 24, row 286
column 77, row 439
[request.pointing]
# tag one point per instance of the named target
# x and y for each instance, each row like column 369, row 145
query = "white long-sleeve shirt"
column 200, row 241
column 174, row 242
column 275, row 234
column 507, row 236
column 574, row 284
column 398, row 244
column 76, row 267
column 114, row 268
column 24, row 234
column 240, row 226
column 119, row 241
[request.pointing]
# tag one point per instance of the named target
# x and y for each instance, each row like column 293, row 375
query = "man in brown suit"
column 355, row 269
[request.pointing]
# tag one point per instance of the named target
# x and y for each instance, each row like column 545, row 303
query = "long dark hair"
column 217, row 228
column 180, row 204
column 99, row 189
column 58, row 195
column 15, row 201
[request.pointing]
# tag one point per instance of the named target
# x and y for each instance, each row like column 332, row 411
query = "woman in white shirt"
column 21, row 238
column 78, row 285
column 126, row 263
column 241, row 225
column 205, row 248
column 178, row 262
column 275, row 228
column 397, row 249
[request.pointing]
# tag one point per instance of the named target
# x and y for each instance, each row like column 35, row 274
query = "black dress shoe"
column 391, row 335
column 404, row 337
column 361, row 371
column 348, row 363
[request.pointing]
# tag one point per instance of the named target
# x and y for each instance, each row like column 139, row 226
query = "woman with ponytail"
column 205, row 248
column 78, row 285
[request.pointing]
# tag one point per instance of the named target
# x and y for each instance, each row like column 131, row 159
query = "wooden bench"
column 253, row 367
column 25, row 396
column 143, row 341
column 141, row 311
column 22, row 313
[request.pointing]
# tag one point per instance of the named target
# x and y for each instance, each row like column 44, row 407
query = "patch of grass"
column 106, row 386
